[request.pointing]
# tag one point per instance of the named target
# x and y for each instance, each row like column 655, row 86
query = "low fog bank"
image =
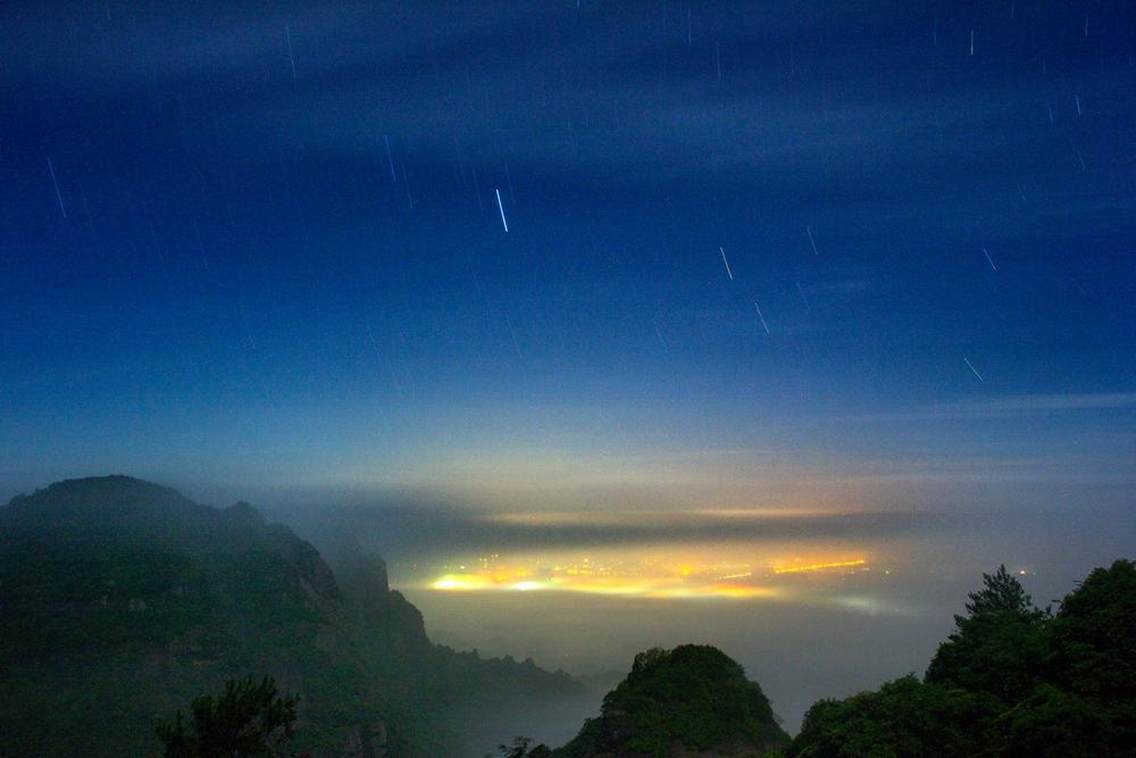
column 552, row 722
column 847, row 633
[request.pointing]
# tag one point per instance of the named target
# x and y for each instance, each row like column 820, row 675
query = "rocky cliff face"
column 121, row 600
column 103, row 517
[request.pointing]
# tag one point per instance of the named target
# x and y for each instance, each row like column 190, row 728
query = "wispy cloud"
column 1011, row 406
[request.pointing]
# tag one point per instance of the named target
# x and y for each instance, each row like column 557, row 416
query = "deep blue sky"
column 237, row 284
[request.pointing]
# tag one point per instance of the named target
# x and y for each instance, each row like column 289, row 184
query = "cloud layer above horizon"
column 758, row 254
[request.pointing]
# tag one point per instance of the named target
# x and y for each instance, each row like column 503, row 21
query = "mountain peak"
column 98, row 504
column 692, row 700
column 243, row 512
column 108, row 486
column 130, row 513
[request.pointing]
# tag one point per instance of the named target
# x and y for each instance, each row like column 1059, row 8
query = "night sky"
column 778, row 253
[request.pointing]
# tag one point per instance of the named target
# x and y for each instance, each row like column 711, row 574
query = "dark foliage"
column 522, row 747
column 904, row 717
column 1052, row 722
column 996, row 648
column 249, row 718
column 1093, row 636
column 1012, row 680
column 693, row 696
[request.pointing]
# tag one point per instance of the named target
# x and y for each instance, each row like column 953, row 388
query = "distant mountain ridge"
column 121, row 599
column 119, row 509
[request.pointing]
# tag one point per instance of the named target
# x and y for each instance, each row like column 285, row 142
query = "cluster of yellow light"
column 742, row 575
column 658, row 587
column 819, row 566
column 691, row 570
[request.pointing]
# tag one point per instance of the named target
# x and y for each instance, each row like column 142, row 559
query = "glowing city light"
column 819, row 567
column 645, row 578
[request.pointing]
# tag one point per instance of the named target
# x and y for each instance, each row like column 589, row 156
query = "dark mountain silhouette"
column 693, row 700
column 121, row 600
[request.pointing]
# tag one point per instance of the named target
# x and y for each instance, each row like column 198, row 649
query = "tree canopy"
column 248, row 718
column 1011, row 680
column 996, row 648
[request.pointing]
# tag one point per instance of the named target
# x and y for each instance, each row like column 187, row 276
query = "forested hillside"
column 120, row 601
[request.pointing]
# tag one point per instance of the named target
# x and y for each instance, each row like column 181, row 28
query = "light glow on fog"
column 643, row 577
column 819, row 566
column 651, row 588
